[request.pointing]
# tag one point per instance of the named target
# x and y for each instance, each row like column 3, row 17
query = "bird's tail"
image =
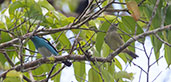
column 132, row 54
column 67, row 63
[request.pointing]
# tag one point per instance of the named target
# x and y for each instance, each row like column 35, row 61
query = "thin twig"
column 153, row 14
column 157, row 76
column 139, row 67
column 141, row 2
column 140, row 76
column 51, row 72
column 75, row 43
column 148, row 62
column 8, row 59
column 158, row 37
column 156, row 61
column 31, row 76
column 45, row 80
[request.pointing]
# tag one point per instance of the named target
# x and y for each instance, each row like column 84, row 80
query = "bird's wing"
column 44, row 51
column 50, row 44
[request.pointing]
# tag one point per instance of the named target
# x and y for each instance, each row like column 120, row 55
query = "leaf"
column 79, row 71
column 106, row 75
column 100, row 36
column 168, row 15
column 106, row 50
column 156, row 45
column 111, row 70
column 61, row 18
column 123, row 74
column 14, row 73
column 1, row 66
column 123, row 57
column 107, row 17
column 40, row 71
column 168, row 55
column 133, row 7
column 93, row 76
column 14, row 6
column 167, row 48
column 128, row 25
column 57, row 77
column 2, row 60
column 14, row 76
column 45, row 4
column 95, row 52
column 34, row 12
column 118, row 64
column 4, row 36
column 31, row 47
column 63, row 40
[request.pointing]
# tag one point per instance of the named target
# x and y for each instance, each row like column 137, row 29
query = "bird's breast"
column 44, row 52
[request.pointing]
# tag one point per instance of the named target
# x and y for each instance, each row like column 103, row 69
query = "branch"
column 166, row 43
column 56, row 59
column 117, row 51
column 8, row 59
column 153, row 14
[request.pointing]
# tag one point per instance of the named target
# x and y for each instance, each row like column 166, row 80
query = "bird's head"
column 112, row 27
column 34, row 38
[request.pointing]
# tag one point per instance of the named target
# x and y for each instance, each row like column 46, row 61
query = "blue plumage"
column 45, row 48
column 43, row 44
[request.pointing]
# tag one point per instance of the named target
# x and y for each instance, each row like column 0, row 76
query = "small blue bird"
column 45, row 48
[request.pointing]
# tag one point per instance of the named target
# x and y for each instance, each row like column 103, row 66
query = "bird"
column 114, row 40
column 45, row 48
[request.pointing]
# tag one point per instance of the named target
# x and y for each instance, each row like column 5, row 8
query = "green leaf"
column 62, row 19
column 107, row 17
column 34, row 12
column 95, row 52
column 93, row 76
column 14, row 6
column 31, row 47
column 123, row 74
column 40, row 71
column 100, row 36
column 123, row 57
column 118, row 64
column 3, row 59
column 4, row 37
column 111, row 68
column 14, row 76
column 106, row 50
column 79, row 70
column 167, row 48
column 73, row 4
column 63, row 40
column 168, row 54
column 106, row 75
column 156, row 45
column 46, row 4
column 128, row 25
column 57, row 77
column 168, row 15
column 8, row 22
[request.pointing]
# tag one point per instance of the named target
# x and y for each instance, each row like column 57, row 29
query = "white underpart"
column 44, row 51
